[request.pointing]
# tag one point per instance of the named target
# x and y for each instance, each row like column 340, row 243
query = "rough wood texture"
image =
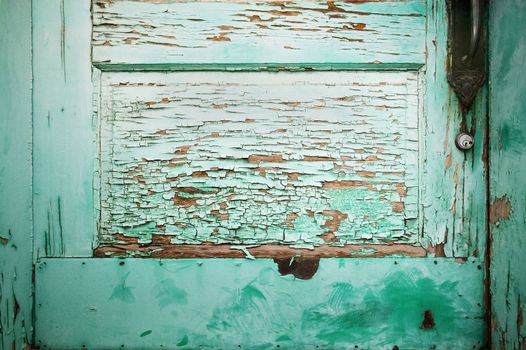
column 508, row 165
column 253, row 158
column 223, row 32
column 16, row 318
column 233, row 303
column 64, row 129
column 161, row 247
column 453, row 198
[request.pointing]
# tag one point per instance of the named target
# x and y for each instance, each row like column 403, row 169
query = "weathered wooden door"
column 253, row 174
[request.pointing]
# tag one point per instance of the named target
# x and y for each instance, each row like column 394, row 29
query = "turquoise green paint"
column 452, row 182
column 123, row 292
column 16, row 319
column 184, row 341
column 146, row 333
column 168, row 294
column 64, row 138
column 398, row 290
column 223, row 303
column 147, row 303
column 54, row 235
column 451, row 209
column 507, row 167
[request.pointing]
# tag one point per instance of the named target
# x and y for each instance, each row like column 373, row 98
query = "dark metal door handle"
column 476, row 16
column 467, row 45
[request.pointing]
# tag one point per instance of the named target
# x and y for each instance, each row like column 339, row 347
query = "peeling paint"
column 453, row 199
column 429, row 321
column 268, row 31
column 300, row 268
column 4, row 240
column 160, row 247
column 175, row 164
column 222, row 163
column 500, row 209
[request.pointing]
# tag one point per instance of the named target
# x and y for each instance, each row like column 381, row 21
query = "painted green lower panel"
column 237, row 303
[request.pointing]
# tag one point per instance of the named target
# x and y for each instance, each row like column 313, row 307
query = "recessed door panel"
column 305, row 159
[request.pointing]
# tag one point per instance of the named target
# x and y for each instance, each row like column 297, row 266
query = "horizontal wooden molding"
column 208, row 250
column 251, row 67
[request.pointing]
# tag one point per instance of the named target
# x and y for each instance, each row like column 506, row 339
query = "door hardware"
column 464, row 141
column 467, row 48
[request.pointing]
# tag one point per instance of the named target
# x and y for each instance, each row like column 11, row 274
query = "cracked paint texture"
column 252, row 158
column 333, row 35
column 159, row 32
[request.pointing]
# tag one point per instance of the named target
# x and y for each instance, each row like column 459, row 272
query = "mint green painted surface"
column 16, row 323
column 167, row 32
column 508, row 166
column 252, row 158
column 64, row 129
column 373, row 303
column 233, row 303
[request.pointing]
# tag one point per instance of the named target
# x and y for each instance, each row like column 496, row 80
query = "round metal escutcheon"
column 464, row 141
